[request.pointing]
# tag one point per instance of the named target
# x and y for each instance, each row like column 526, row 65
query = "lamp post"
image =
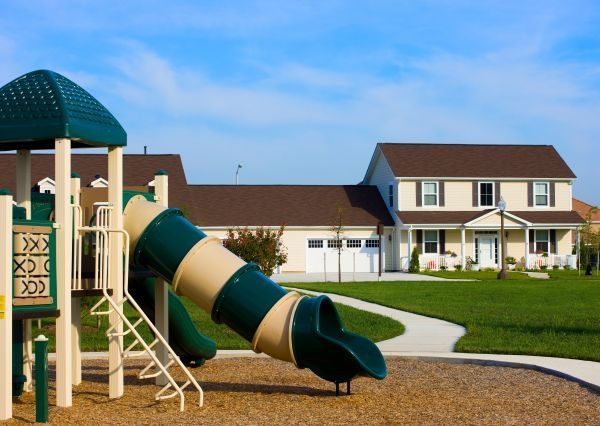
column 237, row 172
column 502, row 275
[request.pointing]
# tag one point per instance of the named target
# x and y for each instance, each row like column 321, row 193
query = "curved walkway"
column 434, row 339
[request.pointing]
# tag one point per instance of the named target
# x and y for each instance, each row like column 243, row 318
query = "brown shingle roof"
column 584, row 208
column 292, row 205
column 138, row 170
column 460, row 217
column 487, row 161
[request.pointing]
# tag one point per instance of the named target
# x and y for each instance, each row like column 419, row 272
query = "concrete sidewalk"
column 433, row 339
column 350, row 277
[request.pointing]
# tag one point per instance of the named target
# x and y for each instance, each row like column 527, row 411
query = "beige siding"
column 408, row 197
column 457, row 195
column 563, row 195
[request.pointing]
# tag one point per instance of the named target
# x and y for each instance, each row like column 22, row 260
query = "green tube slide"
column 317, row 337
column 186, row 340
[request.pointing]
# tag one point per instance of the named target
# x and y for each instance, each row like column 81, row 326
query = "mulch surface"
column 264, row 391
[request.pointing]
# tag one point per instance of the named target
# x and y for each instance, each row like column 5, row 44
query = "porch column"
column 408, row 244
column 462, row 246
column 526, row 247
column 6, row 316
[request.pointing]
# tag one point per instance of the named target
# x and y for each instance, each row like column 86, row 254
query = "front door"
column 486, row 251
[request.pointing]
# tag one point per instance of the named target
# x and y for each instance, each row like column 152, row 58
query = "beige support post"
column 161, row 289
column 76, row 301
column 6, row 307
column 64, row 239
column 23, row 199
column 115, row 274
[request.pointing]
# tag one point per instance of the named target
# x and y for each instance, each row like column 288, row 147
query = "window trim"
column 547, row 241
column 437, row 193
column 479, row 193
column 546, row 194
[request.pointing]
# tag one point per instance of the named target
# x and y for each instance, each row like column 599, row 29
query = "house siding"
column 382, row 177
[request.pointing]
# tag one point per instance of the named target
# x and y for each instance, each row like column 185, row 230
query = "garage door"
column 357, row 255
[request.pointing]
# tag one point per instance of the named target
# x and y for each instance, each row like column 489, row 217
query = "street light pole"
column 237, row 172
column 503, row 274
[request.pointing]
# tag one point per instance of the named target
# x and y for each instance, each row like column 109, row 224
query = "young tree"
column 263, row 246
column 589, row 243
column 337, row 228
column 414, row 266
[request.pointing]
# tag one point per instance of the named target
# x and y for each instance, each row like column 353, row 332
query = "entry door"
column 486, row 251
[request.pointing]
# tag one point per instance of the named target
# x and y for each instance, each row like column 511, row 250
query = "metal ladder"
column 155, row 367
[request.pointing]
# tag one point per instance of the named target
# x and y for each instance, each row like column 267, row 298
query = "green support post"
column 41, row 379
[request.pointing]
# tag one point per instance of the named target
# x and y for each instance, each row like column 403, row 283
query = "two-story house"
column 444, row 199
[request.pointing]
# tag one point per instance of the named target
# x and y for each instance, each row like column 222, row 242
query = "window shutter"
column 420, row 240
column 441, row 194
column 531, row 241
column 551, row 195
column 419, row 201
column 496, row 193
column 553, row 241
column 529, row 194
column 442, row 241
column 475, row 194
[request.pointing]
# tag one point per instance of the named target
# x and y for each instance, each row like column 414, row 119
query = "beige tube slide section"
column 203, row 273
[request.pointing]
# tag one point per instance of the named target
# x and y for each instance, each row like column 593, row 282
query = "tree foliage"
column 262, row 246
column 414, row 266
column 589, row 242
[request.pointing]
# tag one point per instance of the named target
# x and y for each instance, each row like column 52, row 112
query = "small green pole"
column 41, row 379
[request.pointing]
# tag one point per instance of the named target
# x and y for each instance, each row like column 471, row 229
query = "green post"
column 41, row 379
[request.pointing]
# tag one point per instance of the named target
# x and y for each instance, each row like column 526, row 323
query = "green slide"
column 193, row 347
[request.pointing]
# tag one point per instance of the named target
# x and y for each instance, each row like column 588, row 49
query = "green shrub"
column 414, row 266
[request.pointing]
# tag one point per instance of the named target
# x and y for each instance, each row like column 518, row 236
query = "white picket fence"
column 435, row 262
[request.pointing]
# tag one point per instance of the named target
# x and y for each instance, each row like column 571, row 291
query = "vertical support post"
column 23, row 199
column 161, row 297
column 115, row 273
column 462, row 247
column 41, row 379
column 6, row 283
column 527, row 242
column 64, row 241
column 76, row 301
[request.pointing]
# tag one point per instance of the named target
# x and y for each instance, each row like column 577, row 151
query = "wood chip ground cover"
column 264, row 391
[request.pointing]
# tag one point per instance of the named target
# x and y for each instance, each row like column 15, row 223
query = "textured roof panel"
column 292, row 205
column 475, row 161
column 42, row 105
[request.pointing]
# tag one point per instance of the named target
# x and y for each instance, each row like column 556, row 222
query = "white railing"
column 537, row 261
column 436, row 262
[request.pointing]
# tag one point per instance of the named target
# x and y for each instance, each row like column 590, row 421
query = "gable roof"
column 419, row 160
column 290, row 205
column 138, row 170
column 584, row 208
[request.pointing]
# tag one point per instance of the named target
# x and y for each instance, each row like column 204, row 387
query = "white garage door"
column 357, row 255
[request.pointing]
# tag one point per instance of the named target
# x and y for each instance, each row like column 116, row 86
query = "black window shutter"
column 441, row 194
column 442, row 241
column 496, row 193
column 531, row 241
column 420, row 240
column 552, row 192
column 418, row 191
column 553, row 241
column 529, row 194
column 475, row 194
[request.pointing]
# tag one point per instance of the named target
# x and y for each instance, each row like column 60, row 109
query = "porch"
column 437, row 262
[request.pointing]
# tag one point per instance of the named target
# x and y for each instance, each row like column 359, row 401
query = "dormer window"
column 430, row 194
column 99, row 182
column 541, row 194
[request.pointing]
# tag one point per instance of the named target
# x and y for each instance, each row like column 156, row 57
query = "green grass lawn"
column 93, row 337
column 557, row 317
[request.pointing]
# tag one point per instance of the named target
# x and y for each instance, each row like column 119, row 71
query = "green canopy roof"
column 41, row 106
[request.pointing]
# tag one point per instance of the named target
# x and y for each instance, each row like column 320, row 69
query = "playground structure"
column 140, row 248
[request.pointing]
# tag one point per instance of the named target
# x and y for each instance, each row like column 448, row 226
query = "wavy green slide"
column 186, row 340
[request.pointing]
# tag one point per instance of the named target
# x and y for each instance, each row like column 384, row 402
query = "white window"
column 430, row 193
column 486, row 194
column 541, row 195
column 371, row 243
column 315, row 243
column 353, row 243
column 542, row 241
column 430, row 241
column 336, row 244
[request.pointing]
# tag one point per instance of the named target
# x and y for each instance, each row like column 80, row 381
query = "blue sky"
column 301, row 91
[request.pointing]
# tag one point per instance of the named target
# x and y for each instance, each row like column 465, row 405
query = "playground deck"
column 266, row 391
